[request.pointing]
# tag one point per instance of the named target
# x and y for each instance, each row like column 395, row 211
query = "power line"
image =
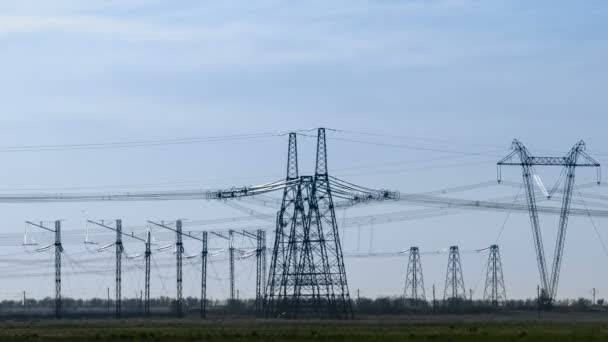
column 136, row 143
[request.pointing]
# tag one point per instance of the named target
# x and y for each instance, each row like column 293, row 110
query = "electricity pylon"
column 260, row 270
column 204, row 257
column 119, row 251
column 289, row 219
column 494, row 291
column 454, row 281
column 414, row 282
column 307, row 277
column 148, row 254
column 58, row 251
column 569, row 163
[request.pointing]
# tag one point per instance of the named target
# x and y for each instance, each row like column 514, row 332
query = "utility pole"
column 108, row 300
column 569, row 163
column 204, row 277
column 58, row 251
column 178, row 254
column 434, row 300
column 259, row 272
column 119, row 250
column 148, row 255
column 264, row 263
column 231, row 254
column 594, row 292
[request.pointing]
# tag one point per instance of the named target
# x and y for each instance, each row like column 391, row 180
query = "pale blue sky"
column 459, row 75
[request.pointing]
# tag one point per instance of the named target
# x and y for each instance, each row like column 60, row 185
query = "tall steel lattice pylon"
column 454, row 281
column 147, row 255
column 58, row 251
column 414, row 281
column 333, row 283
column 119, row 250
column 569, row 162
column 179, row 251
column 307, row 275
column 494, row 291
column 275, row 295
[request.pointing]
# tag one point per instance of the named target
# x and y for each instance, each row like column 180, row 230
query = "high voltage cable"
column 599, row 236
column 136, row 143
column 405, row 137
column 420, row 148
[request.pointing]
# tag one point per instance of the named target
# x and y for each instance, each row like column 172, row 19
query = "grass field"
column 367, row 330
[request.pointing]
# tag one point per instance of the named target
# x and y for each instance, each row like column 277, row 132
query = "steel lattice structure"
column 494, row 291
column 454, row 281
column 260, row 255
column 147, row 255
column 307, row 275
column 58, row 251
column 179, row 252
column 528, row 162
column 119, row 250
column 204, row 256
column 414, row 281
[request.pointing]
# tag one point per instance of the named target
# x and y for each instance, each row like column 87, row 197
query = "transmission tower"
column 414, row 282
column 289, row 216
column 231, row 256
column 259, row 281
column 148, row 255
column 569, row 163
column 322, row 217
column 58, row 251
column 179, row 251
column 307, row 275
column 204, row 277
column 494, row 292
column 119, row 250
column 454, row 281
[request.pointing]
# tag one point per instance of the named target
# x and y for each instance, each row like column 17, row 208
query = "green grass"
column 300, row 331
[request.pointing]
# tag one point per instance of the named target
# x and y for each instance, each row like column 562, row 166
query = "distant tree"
column 545, row 300
column 582, row 303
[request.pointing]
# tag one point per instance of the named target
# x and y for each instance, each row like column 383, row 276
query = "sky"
column 421, row 95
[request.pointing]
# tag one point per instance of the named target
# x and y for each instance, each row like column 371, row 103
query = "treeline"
column 361, row 306
column 399, row 306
